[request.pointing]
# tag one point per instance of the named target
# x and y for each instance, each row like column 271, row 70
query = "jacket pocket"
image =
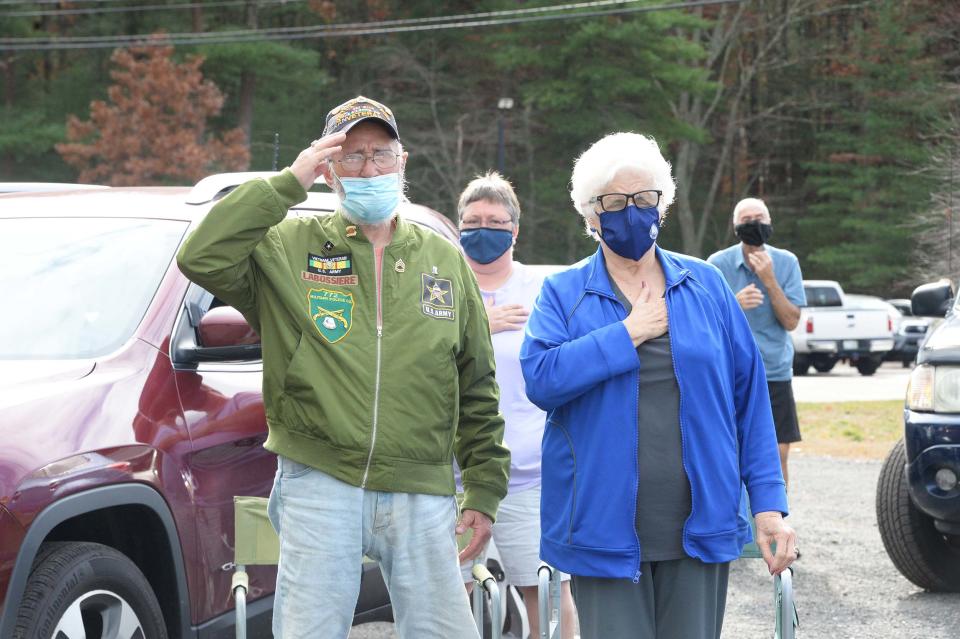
column 559, row 483
column 302, row 410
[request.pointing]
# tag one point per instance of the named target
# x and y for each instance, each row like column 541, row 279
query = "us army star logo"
column 436, row 297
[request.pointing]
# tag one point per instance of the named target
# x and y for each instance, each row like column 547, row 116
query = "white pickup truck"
column 833, row 329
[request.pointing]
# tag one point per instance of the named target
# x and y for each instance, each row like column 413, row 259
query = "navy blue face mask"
column 631, row 232
column 484, row 245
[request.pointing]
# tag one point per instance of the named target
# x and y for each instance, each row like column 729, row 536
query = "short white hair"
column 599, row 165
column 750, row 203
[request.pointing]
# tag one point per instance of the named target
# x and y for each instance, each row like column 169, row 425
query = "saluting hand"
column 509, row 317
column 307, row 165
column 648, row 318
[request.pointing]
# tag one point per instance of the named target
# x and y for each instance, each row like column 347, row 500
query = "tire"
column 917, row 549
column 800, row 365
column 868, row 365
column 825, row 366
column 78, row 589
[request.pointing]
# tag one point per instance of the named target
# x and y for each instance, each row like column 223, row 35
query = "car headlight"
column 934, row 388
column 946, row 393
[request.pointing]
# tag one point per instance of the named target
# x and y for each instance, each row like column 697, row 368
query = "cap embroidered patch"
column 343, row 117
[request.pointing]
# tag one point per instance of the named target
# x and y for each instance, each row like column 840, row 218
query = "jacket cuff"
column 482, row 499
column 288, row 188
column 768, row 497
column 615, row 345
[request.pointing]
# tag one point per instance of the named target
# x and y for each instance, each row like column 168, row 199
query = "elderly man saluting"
column 378, row 369
column 769, row 288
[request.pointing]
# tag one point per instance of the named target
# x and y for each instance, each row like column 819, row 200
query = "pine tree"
column 868, row 180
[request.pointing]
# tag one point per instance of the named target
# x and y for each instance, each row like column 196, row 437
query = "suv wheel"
column 918, row 550
column 824, row 366
column 87, row 590
column 868, row 365
column 801, row 364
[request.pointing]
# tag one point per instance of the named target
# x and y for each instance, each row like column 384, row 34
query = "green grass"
column 850, row 429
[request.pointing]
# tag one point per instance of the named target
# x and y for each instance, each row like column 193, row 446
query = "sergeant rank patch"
column 436, row 297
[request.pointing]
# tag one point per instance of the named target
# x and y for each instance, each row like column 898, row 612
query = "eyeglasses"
column 355, row 161
column 612, row 202
column 490, row 224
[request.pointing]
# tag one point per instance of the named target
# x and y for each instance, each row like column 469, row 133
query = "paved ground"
column 846, row 586
column 845, row 384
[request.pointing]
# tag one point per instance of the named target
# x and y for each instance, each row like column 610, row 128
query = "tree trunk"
column 248, row 84
column 9, row 87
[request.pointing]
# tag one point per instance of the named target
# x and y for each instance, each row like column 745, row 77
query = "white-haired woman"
column 658, row 413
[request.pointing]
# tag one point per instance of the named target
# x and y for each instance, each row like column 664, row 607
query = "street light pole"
column 503, row 104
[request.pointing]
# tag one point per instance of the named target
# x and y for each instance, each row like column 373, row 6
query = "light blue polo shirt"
column 774, row 341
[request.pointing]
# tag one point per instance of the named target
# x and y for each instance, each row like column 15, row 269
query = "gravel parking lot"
column 846, row 587
column 845, row 384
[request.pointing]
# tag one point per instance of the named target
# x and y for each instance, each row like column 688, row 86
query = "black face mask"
column 754, row 233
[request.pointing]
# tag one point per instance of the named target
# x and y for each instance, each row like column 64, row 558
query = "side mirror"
column 225, row 326
column 932, row 300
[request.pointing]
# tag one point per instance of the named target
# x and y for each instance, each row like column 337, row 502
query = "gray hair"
column 599, row 165
column 750, row 203
column 490, row 187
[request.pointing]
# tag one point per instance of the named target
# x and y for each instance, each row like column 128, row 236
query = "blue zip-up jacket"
column 581, row 366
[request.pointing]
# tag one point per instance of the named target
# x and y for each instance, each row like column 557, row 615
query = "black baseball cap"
column 347, row 115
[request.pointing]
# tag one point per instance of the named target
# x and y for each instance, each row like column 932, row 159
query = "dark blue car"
column 918, row 494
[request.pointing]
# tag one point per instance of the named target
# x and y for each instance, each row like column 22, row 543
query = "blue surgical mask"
column 371, row 200
column 485, row 245
column 631, row 232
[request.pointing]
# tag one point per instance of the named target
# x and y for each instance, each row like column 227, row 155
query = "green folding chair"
column 255, row 544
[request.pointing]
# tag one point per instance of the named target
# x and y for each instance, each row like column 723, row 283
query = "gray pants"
column 679, row 599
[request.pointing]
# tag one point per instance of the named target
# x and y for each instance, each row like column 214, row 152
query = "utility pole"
column 503, row 104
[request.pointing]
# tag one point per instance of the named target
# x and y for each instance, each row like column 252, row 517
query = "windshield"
column 822, row 296
column 78, row 288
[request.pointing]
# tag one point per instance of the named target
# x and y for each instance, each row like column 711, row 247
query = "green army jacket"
column 378, row 386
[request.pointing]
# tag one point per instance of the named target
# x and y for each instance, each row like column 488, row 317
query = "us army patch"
column 331, row 312
column 436, row 297
column 330, row 264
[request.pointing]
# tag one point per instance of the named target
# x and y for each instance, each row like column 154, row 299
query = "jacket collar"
column 401, row 230
column 598, row 280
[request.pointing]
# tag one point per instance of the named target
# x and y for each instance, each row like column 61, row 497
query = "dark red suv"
column 130, row 416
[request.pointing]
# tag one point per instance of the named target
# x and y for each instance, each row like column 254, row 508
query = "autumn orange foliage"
column 153, row 127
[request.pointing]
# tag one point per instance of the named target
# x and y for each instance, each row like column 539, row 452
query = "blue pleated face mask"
column 484, row 245
column 631, row 232
column 371, row 200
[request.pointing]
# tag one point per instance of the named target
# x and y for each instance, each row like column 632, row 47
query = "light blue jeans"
column 326, row 526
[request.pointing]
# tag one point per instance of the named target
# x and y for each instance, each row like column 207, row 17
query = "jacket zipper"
column 683, row 447
column 378, row 271
column 636, row 485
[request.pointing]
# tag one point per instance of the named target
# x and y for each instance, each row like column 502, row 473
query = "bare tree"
column 938, row 250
